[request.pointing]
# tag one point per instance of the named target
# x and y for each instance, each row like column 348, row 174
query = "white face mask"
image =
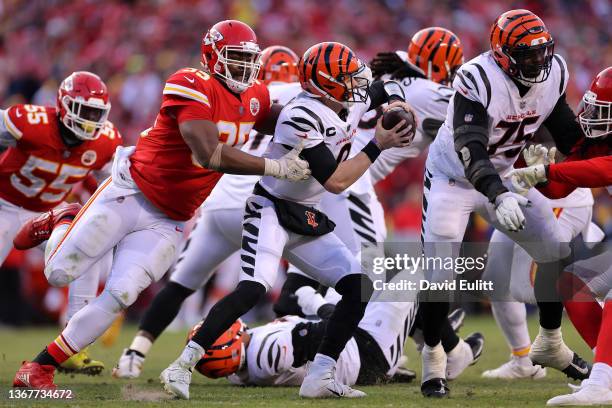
column 239, row 74
column 85, row 118
column 596, row 118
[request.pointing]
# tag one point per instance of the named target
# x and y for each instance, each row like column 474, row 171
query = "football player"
column 218, row 229
column 50, row 149
column 281, row 219
column 502, row 97
column 138, row 214
column 434, row 55
column 589, row 165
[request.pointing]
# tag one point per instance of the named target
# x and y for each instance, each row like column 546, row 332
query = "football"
column 395, row 115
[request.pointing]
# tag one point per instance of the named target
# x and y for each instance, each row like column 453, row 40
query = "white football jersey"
column 513, row 120
column 308, row 120
column 232, row 190
column 269, row 357
column 429, row 101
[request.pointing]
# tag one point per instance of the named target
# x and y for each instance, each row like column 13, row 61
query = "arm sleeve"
column 592, row 173
column 321, row 161
column 563, row 126
column 470, row 124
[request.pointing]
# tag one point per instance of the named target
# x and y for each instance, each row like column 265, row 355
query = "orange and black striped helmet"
column 522, row 46
column 226, row 355
column 331, row 70
column 278, row 64
column 438, row 52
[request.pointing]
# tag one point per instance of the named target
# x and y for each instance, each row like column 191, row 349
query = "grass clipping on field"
column 129, row 392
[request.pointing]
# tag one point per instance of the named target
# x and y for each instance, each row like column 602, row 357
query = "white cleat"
column 513, row 370
column 176, row 380
column 586, row 394
column 552, row 352
column 129, row 365
column 324, row 385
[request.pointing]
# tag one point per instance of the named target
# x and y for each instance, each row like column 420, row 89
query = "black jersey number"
column 344, row 153
column 513, row 128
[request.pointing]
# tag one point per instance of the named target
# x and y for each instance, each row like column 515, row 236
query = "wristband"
column 372, row 150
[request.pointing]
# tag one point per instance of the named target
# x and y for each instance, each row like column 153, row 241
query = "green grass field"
column 469, row 390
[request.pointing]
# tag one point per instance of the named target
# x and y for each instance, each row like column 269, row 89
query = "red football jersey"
column 40, row 170
column 164, row 167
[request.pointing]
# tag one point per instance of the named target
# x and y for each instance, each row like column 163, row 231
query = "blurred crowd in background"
column 134, row 45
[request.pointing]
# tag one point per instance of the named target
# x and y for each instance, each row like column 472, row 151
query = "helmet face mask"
column 357, row 85
column 596, row 118
column 531, row 64
column 238, row 66
column 83, row 105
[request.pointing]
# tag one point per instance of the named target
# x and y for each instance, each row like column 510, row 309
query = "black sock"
column 164, row 308
column 448, row 337
column 546, row 294
column 435, row 314
column 356, row 290
column 44, row 358
column 226, row 311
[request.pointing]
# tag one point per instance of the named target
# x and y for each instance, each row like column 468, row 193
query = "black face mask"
column 532, row 64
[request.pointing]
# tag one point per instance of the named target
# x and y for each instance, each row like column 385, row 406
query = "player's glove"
column 289, row 167
column 508, row 210
column 538, row 154
column 309, row 300
column 525, row 178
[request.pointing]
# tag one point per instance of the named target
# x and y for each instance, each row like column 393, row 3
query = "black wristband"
column 372, row 151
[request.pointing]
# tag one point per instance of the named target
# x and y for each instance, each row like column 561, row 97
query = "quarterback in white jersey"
column 218, row 229
column 503, row 96
column 281, row 219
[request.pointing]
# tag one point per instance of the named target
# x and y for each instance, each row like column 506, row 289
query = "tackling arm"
column 563, row 126
column 6, row 137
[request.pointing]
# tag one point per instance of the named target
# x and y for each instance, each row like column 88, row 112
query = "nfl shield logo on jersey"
column 311, row 219
column 254, row 106
column 89, row 157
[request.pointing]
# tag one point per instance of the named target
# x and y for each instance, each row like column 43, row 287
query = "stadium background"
column 135, row 45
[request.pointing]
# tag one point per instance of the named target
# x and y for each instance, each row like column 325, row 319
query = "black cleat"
column 435, row 388
column 476, row 343
column 578, row 368
column 455, row 318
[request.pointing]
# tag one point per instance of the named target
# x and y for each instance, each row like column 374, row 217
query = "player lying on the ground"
column 589, row 165
column 217, row 233
column 50, row 149
column 503, row 96
column 282, row 219
column 277, row 353
column 139, row 213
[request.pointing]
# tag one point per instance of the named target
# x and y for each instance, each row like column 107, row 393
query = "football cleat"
column 513, row 369
column 323, row 384
column 435, row 388
column 81, row 363
column 129, row 365
column 38, row 229
column 586, row 394
column 176, row 380
column 34, row 375
column 465, row 354
column 456, row 318
column 554, row 353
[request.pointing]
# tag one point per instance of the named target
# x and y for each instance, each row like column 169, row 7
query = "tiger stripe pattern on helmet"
column 438, row 52
column 278, row 64
column 324, row 68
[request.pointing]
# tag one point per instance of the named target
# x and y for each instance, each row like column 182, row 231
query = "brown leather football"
column 394, row 115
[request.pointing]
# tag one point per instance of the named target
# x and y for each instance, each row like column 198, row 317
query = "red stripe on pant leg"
column 603, row 354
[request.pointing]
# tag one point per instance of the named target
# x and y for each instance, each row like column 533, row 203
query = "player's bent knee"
column 57, row 276
column 355, row 286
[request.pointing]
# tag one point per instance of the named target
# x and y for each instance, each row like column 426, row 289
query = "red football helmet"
column 83, row 104
column 522, row 46
column 333, row 71
column 230, row 51
column 596, row 116
column 278, row 64
column 226, row 355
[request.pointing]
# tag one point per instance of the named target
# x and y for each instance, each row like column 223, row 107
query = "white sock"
column 91, row 322
column 512, row 319
column 321, row 362
column 434, row 362
column 552, row 335
column 601, row 375
column 192, row 353
column 141, row 344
